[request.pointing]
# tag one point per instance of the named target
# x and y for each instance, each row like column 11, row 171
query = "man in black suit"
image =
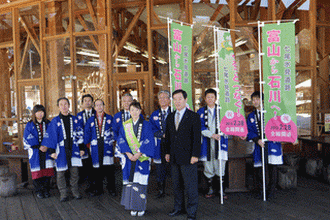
column 183, row 147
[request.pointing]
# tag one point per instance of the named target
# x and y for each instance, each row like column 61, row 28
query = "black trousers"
column 42, row 185
column 184, row 179
column 270, row 174
column 98, row 175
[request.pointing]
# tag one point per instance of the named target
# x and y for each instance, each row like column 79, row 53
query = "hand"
column 54, row 156
column 261, row 143
column 136, row 156
column 193, row 160
column 167, row 158
column 82, row 153
column 43, row 148
column 243, row 138
column 296, row 142
column 216, row 137
column 130, row 156
column 163, row 135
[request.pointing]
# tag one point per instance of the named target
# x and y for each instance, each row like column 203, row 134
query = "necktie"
column 164, row 114
column 126, row 116
column 177, row 120
column 88, row 115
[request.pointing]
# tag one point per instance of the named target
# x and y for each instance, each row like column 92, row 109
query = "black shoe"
column 89, row 190
column 64, row 199
column 47, row 194
column 77, row 197
column 96, row 193
column 160, row 194
column 176, row 213
column 191, row 217
column 40, row 195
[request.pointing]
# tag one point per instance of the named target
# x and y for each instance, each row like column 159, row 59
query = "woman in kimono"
column 136, row 145
column 40, row 162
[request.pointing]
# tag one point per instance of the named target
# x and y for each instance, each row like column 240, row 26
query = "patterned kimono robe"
column 275, row 155
column 136, row 174
column 206, row 142
column 142, row 169
column 32, row 144
column 105, row 135
column 118, row 123
column 54, row 139
column 158, row 129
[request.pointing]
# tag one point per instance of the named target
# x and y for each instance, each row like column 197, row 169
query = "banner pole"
column 216, row 50
column 261, row 114
column 169, row 58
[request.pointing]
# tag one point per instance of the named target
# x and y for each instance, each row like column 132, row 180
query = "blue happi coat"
column 90, row 136
column 82, row 117
column 275, row 156
column 142, row 169
column 118, row 123
column 204, row 148
column 54, row 139
column 158, row 133
column 31, row 144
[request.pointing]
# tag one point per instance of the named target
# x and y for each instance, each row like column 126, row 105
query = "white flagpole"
column 169, row 57
column 261, row 113
column 216, row 50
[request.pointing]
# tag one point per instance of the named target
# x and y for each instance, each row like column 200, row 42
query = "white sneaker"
column 133, row 213
column 141, row 213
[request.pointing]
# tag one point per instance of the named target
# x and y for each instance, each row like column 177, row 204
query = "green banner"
column 232, row 113
column 181, row 43
column 278, row 43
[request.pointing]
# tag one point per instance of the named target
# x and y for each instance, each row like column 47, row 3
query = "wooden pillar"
column 312, row 56
column 5, row 107
column 150, row 84
column 110, row 96
column 101, row 25
column 53, row 78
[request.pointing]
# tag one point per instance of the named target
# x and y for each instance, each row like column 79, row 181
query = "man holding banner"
column 272, row 150
column 210, row 144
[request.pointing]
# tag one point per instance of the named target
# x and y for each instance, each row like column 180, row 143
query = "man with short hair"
column 122, row 116
column 64, row 138
column 88, row 111
column 158, row 122
column 272, row 150
column 183, row 148
column 99, row 134
column 210, row 144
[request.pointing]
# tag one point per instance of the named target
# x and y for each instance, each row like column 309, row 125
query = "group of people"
column 178, row 139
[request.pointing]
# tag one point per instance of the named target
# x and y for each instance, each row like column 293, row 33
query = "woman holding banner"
column 136, row 145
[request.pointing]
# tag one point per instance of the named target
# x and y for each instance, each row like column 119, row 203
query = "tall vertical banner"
column 181, row 43
column 232, row 113
column 278, row 43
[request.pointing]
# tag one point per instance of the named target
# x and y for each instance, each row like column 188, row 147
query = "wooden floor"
column 310, row 200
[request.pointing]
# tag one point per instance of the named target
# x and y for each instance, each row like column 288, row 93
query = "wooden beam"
column 82, row 22
column 6, row 44
column 292, row 8
column 34, row 41
column 129, row 29
column 25, row 51
column 5, row 24
column 149, row 83
column 92, row 13
column 255, row 10
column 313, row 43
column 205, row 31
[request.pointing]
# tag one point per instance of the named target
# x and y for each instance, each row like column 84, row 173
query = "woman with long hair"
column 40, row 161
